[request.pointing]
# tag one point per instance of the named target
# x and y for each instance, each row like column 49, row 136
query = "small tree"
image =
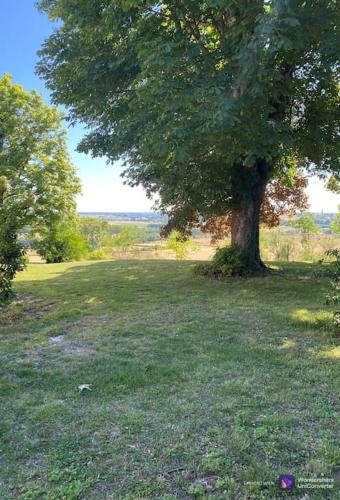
column 335, row 224
column 95, row 231
column 305, row 223
column 37, row 180
column 61, row 242
column 128, row 236
column 181, row 246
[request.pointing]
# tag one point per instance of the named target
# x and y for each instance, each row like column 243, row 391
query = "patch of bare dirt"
column 23, row 306
column 71, row 347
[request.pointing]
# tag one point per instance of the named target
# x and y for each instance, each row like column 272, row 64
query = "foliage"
column 129, row 235
column 284, row 249
column 230, row 261
column 306, row 225
column 37, row 180
column 227, row 261
column 333, row 294
column 333, row 298
column 275, row 245
column 95, row 232
column 61, row 242
column 206, row 102
column 179, row 245
column 335, row 224
column 334, row 254
column 284, row 244
column 11, row 259
column 333, row 183
column 282, row 197
column 99, row 254
column 307, row 251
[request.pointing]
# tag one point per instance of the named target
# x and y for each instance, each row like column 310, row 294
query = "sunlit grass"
column 287, row 344
column 198, row 387
column 316, row 319
column 330, row 353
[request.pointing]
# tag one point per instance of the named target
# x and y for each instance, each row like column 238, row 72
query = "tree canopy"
column 206, row 101
column 95, row 232
column 38, row 183
column 306, row 224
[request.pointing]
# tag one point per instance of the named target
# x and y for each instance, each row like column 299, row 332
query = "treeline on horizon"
column 322, row 219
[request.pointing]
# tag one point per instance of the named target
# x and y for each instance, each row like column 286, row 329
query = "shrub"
column 334, row 253
column 333, row 294
column 227, row 261
column 61, row 244
column 230, row 261
column 332, row 271
column 180, row 245
column 97, row 255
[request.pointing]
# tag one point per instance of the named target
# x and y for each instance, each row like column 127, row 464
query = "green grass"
column 198, row 387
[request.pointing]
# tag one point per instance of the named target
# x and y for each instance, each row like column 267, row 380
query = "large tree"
column 38, row 183
column 207, row 101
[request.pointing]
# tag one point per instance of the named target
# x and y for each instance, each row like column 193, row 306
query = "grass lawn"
column 200, row 389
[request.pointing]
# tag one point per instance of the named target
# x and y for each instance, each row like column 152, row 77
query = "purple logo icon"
column 286, row 482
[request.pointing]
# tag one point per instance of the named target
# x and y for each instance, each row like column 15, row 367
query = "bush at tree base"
column 227, row 261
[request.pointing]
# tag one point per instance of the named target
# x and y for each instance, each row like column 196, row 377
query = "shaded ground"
column 200, row 389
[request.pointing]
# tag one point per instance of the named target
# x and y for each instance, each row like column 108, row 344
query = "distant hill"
column 151, row 217
column 323, row 220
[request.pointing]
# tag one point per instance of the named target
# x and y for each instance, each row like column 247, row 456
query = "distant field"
column 199, row 389
column 279, row 244
column 276, row 245
column 153, row 250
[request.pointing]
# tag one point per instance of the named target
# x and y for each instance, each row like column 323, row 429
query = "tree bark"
column 245, row 224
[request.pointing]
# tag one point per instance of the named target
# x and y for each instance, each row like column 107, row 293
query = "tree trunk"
column 245, row 226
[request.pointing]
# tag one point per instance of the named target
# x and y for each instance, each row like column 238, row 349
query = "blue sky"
column 22, row 31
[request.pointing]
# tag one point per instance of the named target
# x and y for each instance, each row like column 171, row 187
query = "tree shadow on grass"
column 108, row 281
column 118, row 285
column 158, row 292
